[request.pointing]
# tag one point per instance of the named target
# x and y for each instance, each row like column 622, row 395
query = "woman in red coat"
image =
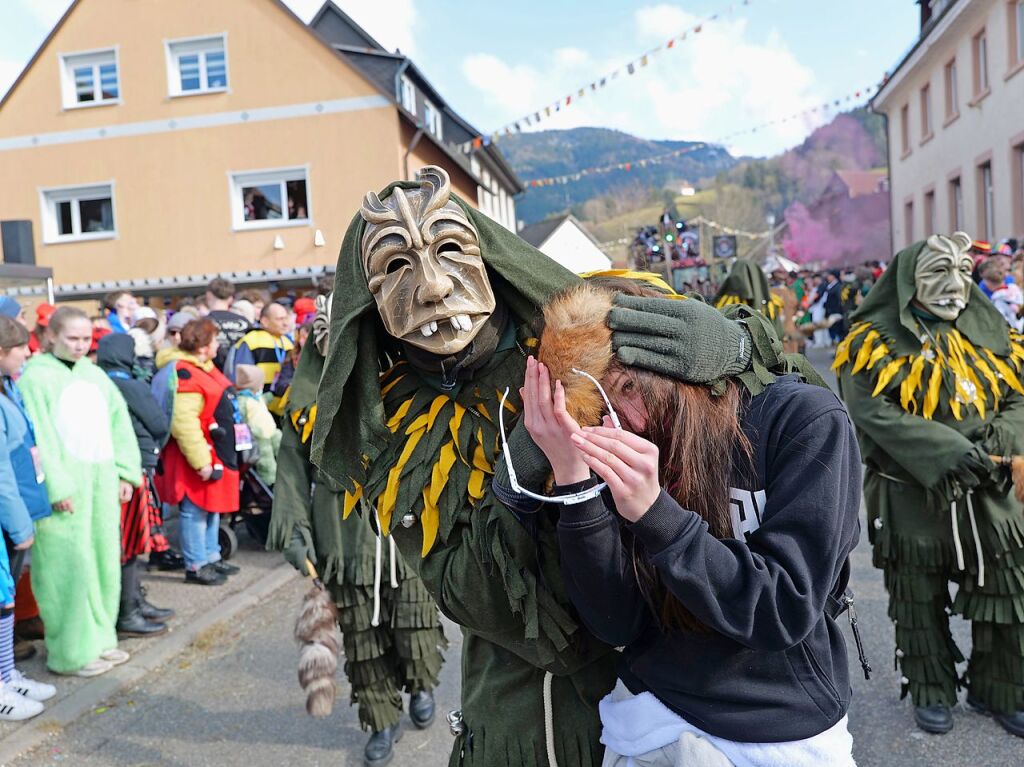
column 200, row 465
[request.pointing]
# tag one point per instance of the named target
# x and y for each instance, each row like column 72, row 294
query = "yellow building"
column 155, row 144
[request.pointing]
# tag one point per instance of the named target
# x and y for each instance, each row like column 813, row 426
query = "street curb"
column 93, row 693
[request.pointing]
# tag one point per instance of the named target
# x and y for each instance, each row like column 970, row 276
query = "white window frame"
column 93, row 58
column 407, row 94
column 433, row 119
column 50, row 197
column 202, row 44
column 238, row 179
column 1018, row 22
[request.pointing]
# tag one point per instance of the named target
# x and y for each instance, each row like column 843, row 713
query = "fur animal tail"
column 316, row 630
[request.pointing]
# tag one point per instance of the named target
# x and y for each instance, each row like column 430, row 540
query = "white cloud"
column 712, row 84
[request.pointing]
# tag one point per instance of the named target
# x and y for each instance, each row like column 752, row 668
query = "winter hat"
column 43, row 314
column 248, row 377
column 305, row 308
column 97, row 334
column 12, row 333
column 178, row 321
column 9, row 307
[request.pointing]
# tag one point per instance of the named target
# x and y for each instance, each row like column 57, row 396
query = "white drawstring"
column 956, row 537
column 375, row 620
column 977, row 541
column 549, row 722
column 393, row 553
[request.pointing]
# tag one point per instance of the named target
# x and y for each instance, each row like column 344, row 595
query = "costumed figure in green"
column 390, row 626
column 932, row 377
column 746, row 284
column 433, row 324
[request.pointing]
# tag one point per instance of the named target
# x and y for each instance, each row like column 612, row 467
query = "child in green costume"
column 91, row 459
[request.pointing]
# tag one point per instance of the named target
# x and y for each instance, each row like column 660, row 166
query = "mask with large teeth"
column 421, row 258
column 942, row 276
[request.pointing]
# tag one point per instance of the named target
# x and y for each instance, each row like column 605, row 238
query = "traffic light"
column 669, row 236
column 680, row 225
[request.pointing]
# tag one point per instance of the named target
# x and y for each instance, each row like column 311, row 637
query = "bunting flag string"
column 628, row 69
column 824, row 108
column 692, row 223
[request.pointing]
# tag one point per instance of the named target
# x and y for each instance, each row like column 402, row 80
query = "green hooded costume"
column 401, row 652
column 387, row 432
column 931, row 400
column 746, row 284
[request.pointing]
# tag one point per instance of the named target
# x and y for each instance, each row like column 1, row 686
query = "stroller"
column 256, row 498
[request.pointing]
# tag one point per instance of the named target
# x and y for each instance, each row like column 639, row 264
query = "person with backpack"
column 22, row 500
column 705, row 530
column 116, row 356
column 200, row 463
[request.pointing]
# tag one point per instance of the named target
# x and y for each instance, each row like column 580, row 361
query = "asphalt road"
column 232, row 701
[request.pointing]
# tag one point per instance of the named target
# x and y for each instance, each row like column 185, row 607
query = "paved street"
column 231, row 700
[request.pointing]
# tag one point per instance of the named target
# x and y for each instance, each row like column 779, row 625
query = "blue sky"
column 763, row 61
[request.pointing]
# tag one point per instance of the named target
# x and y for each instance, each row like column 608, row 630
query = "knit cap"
column 249, row 377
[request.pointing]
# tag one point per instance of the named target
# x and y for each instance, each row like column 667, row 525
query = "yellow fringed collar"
column 947, row 368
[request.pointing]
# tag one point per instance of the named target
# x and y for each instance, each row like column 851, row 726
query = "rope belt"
column 974, row 534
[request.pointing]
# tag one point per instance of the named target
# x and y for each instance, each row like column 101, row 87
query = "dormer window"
column 433, row 119
column 408, row 95
column 197, row 65
column 90, row 79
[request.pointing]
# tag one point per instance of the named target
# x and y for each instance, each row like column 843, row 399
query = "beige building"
column 155, row 144
column 955, row 109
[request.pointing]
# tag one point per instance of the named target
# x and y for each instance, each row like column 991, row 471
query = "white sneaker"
column 93, row 668
column 15, row 707
column 115, row 657
column 30, row 688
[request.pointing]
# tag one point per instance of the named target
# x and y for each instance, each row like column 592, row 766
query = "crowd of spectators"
column 110, row 424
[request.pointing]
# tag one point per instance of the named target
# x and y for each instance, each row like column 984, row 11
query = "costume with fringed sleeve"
column 932, row 400
column 399, row 651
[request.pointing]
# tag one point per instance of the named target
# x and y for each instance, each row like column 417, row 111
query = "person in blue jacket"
column 22, row 500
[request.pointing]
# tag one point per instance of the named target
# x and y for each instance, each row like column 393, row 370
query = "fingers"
column 544, row 392
column 607, row 456
column 605, row 472
column 670, row 365
column 562, row 417
column 606, row 437
column 668, row 307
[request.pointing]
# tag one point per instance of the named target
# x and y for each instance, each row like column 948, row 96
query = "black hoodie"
column 116, row 356
column 772, row 667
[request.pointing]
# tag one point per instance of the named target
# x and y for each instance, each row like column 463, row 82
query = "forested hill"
column 547, row 154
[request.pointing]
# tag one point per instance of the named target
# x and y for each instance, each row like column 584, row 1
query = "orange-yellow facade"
column 172, row 194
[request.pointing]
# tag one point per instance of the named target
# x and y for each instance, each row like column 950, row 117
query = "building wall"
column 989, row 128
column 172, row 202
column 574, row 250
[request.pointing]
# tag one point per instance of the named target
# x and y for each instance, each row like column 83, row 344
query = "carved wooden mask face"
column 942, row 276
column 421, row 257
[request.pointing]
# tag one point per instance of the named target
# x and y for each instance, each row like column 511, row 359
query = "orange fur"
column 576, row 335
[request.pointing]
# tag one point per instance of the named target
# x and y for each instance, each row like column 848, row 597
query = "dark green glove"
column 300, row 549
column 688, row 340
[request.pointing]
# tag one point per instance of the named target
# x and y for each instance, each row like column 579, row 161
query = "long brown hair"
column 701, row 444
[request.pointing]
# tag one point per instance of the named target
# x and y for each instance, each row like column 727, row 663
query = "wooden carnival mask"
column 421, row 258
column 942, row 276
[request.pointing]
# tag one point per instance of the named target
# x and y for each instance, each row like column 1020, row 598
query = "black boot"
column 937, row 720
column 421, row 709
column 1012, row 723
column 166, row 560
column 380, row 746
column 130, row 620
column 205, row 576
column 154, row 613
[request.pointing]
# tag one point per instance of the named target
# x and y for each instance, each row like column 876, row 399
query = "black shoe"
column 224, row 568
column 23, row 649
column 380, row 746
column 166, row 560
column 205, row 576
column 937, row 720
column 30, row 628
column 1012, row 723
column 154, row 613
column 134, row 624
column 421, row 709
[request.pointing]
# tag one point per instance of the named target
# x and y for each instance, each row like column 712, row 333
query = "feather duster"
column 316, row 630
